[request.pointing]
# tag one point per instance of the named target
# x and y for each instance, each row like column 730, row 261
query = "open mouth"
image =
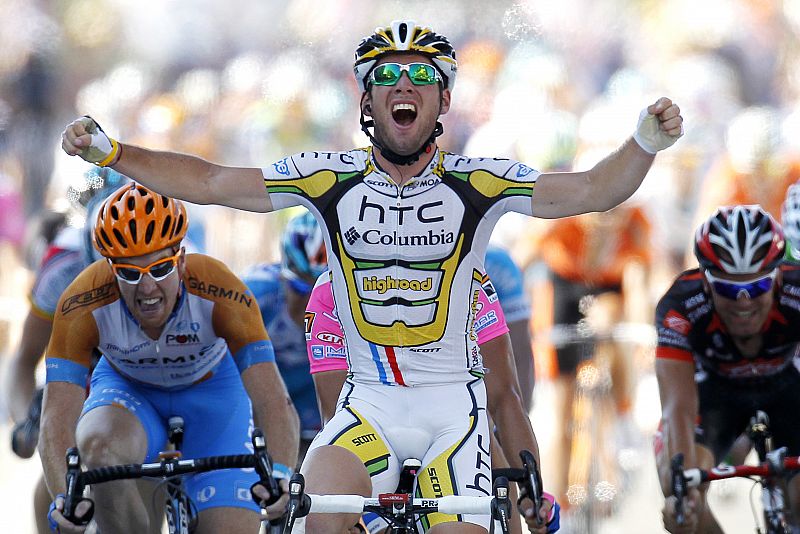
column 149, row 305
column 404, row 114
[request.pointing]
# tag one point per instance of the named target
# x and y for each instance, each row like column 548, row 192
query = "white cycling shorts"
column 443, row 426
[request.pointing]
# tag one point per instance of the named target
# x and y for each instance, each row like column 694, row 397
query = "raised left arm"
column 614, row 179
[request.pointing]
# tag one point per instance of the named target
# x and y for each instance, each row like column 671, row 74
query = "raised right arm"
column 176, row 175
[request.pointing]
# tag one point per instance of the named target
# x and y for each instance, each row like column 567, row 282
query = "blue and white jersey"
column 288, row 340
column 509, row 283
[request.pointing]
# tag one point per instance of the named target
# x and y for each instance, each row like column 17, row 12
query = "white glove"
column 103, row 150
column 649, row 134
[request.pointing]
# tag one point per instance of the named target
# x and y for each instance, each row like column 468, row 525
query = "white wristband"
column 103, row 150
column 649, row 134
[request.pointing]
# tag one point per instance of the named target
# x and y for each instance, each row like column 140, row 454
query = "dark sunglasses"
column 158, row 270
column 418, row 73
column 748, row 288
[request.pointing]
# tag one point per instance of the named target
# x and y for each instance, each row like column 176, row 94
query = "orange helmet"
column 135, row 221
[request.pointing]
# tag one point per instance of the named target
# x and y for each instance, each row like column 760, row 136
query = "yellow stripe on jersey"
column 313, row 186
column 492, row 186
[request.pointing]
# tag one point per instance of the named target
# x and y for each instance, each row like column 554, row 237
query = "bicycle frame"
column 181, row 518
column 773, row 466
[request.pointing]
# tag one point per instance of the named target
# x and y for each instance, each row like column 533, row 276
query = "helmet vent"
column 114, row 213
column 724, row 255
column 131, row 203
column 132, row 229
column 762, row 251
column 402, row 32
column 166, row 226
column 148, row 233
column 149, row 206
column 120, row 238
column 179, row 225
column 105, row 237
column 741, row 231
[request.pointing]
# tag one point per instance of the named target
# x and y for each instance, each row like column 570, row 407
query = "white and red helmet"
column 739, row 240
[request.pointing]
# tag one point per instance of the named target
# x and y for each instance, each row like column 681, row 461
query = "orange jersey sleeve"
column 75, row 334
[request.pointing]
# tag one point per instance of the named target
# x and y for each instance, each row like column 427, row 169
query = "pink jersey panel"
column 324, row 336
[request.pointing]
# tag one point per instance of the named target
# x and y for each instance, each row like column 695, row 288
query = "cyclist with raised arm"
column 179, row 335
column 282, row 291
column 727, row 346
column 327, row 355
column 406, row 227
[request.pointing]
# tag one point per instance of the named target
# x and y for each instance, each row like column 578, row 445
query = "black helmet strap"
column 394, row 157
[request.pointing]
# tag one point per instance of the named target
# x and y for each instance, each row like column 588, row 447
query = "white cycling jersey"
column 406, row 261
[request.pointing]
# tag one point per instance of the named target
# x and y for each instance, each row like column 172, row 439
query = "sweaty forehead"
column 405, row 58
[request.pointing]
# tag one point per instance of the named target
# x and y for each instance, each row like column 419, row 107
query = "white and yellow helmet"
column 405, row 36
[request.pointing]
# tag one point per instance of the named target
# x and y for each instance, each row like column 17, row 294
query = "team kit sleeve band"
column 256, row 352
column 62, row 370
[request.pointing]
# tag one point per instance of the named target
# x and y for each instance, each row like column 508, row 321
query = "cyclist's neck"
column 401, row 174
column 749, row 346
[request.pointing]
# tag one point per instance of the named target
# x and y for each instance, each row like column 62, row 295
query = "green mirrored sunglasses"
column 418, row 73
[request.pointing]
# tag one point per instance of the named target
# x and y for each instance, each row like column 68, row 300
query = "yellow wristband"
column 112, row 156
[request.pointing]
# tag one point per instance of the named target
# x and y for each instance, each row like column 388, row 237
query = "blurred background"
column 557, row 85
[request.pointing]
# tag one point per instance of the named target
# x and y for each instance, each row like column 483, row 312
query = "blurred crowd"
column 553, row 84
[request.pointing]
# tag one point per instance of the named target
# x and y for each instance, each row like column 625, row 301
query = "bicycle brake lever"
column 533, row 483
column 678, row 486
column 264, row 469
column 501, row 505
column 299, row 503
column 74, row 493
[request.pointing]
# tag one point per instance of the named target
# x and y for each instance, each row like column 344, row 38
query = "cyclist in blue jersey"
column 406, row 226
column 179, row 336
column 65, row 257
column 282, row 291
